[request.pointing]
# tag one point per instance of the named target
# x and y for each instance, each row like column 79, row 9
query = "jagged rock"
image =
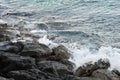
column 36, row 50
column 71, row 77
column 104, row 74
column 88, row 68
column 61, row 52
column 12, row 47
column 9, row 62
column 53, row 67
column 116, row 72
column 32, row 74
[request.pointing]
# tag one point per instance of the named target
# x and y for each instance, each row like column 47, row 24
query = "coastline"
column 28, row 59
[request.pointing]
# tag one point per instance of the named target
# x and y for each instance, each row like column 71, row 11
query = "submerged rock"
column 89, row 68
column 61, row 52
column 9, row 62
column 104, row 74
column 35, row 50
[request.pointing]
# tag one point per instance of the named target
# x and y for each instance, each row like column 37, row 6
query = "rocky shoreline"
column 30, row 60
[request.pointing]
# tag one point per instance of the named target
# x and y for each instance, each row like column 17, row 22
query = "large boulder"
column 88, row 68
column 32, row 74
column 104, row 74
column 12, row 47
column 9, row 62
column 53, row 67
column 35, row 50
column 61, row 52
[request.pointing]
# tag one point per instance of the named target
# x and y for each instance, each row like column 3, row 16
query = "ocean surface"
column 90, row 29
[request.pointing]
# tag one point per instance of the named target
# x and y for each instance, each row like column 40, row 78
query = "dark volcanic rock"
column 32, row 74
column 69, row 64
column 116, row 72
column 88, row 68
column 104, row 74
column 61, row 52
column 71, row 77
column 12, row 47
column 9, row 62
column 53, row 67
column 2, row 78
column 36, row 50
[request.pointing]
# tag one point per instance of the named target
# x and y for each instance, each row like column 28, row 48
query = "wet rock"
column 12, row 47
column 32, row 74
column 9, row 62
column 35, row 50
column 53, row 67
column 71, row 77
column 3, row 36
column 88, row 68
column 104, row 74
column 69, row 64
column 116, row 72
column 61, row 52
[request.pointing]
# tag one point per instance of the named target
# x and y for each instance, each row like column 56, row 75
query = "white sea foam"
column 82, row 55
column 47, row 42
column 36, row 31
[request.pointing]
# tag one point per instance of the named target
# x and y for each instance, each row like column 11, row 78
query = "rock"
column 53, row 67
column 88, row 68
column 71, row 77
column 32, row 74
column 9, row 62
column 2, row 78
column 36, row 50
column 61, row 52
column 12, row 47
column 41, row 26
column 69, row 64
column 3, row 36
column 116, row 72
column 104, row 74
column 20, row 14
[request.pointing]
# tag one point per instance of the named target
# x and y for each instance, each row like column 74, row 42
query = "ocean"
column 90, row 29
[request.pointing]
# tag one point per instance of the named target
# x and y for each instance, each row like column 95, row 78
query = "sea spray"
column 82, row 54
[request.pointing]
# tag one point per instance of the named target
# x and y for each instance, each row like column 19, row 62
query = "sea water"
column 90, row 29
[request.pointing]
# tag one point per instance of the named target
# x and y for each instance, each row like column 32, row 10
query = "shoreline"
column 29, row 60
